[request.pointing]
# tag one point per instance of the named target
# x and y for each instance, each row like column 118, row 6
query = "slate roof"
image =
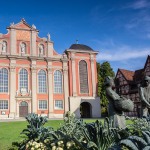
column 80, row 47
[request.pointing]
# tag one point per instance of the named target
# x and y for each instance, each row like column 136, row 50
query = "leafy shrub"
column 74, row 134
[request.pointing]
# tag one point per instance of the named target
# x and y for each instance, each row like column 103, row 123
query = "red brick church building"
column 35, row 78
column 127, row 83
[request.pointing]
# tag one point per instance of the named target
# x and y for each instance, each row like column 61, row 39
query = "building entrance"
column 85, row 110
column 23, row 109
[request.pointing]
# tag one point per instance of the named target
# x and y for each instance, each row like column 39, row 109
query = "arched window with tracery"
column 42, row 81
column 3, row 80
column 83, row 74
column 23, row 80
column 57, row 81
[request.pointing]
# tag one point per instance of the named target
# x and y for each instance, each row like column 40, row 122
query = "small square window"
column 58, row 104
column 42, row 104
column 3, row 104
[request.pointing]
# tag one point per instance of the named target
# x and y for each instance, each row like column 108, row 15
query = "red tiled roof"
column 127, row 74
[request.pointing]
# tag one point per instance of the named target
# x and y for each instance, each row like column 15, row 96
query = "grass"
column 10, row 131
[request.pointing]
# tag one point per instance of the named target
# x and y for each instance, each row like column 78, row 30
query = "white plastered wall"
column 94, row 101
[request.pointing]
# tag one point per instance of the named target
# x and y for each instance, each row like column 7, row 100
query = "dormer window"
column 41, row 49
column 23, row 48
column 4, row 47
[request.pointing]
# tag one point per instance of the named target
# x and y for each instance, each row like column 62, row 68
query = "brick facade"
column 28, row 59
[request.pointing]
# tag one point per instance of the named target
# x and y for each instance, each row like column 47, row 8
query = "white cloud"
column 139, row 4
column 122, row 53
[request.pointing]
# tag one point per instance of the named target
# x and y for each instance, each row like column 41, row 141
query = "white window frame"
column 3, row 91
column 56, row 89
column 4, row 105
column 45, row 82
column 42, row 104
column 27, row 79
column 57, row 107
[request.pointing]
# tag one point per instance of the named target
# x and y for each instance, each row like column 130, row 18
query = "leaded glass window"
column 42, row 81
column 83, row 73
column 42, row 104
column 23, row 76
column 57, row 82
column 3, row 104
column 58, row 104
column 3, row 80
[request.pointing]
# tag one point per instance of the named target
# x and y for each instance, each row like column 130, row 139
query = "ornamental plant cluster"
column 74, row 134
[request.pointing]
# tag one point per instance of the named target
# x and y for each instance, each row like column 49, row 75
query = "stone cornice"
column 82, row 51
column 54, row 58
column 25, row 29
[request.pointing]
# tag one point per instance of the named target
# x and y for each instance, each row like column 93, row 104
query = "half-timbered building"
column 127, row 83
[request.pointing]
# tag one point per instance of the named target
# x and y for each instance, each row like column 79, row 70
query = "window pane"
column 3, row 104
column 42, row 81
column 83, row 77
column 57, row 82
column 3, row 80
column 23, row 79
column 58, row 104
column 42, row 104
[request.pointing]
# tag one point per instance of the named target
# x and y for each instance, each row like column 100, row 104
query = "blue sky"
column 118, row 29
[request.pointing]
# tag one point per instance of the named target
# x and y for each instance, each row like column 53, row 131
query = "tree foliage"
column 103, row 71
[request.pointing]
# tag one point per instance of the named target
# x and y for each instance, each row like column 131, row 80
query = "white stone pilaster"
column 34, row 87
column 66, row 88
column 74, row 74
column 12, row 88
column 50, row 49
column 33, row 43
column 50, row 90
column 13, row 41
column 93, row 76
column 17, row 112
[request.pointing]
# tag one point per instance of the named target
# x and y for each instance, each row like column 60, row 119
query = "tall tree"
column 103, row 71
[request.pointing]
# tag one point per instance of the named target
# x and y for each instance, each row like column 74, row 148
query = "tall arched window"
column 4, row 46
column 83, row 77
column 57, row 82
column 23, row 80
column 42, row 81
column 41, row 49
column 3, row 80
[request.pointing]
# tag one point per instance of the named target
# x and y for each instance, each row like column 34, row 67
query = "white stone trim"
column 4, row 65
column 73, row 63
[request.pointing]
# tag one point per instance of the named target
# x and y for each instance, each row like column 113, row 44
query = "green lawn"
column 10, row 131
